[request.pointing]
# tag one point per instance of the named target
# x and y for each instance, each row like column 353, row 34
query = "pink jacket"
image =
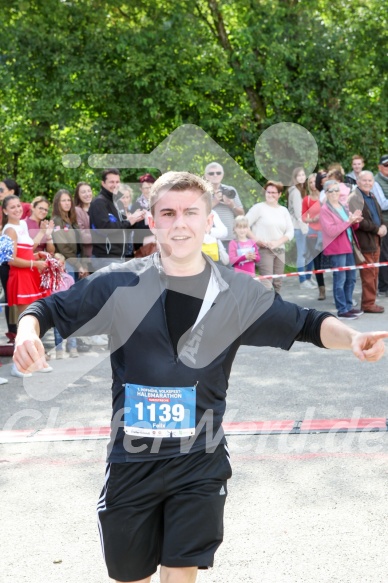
column 237, row 257
column 335, row 238
column 66, row 283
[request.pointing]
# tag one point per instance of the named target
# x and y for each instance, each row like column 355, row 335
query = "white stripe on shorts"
column 101, row 506
column 227, row 452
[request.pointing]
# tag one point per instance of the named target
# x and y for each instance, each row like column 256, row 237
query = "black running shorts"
column 167, row 512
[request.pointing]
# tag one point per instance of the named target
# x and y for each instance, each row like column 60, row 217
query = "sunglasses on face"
column 333, row 190
column 1, row 189
column 212, row 173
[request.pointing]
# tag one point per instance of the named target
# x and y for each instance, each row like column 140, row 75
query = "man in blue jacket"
column 176, row 321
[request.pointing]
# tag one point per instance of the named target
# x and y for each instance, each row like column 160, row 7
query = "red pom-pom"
column 51, row 276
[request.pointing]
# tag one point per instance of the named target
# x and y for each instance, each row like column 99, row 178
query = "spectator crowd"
column 336, row 219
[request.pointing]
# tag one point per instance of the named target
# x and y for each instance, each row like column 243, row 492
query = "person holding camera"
column 226, row 202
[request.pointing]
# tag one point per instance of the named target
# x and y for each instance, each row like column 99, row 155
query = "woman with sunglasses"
column 39, row 228
column 338, row 226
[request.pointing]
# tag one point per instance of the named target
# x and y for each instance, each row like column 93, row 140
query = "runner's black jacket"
column 126, row 301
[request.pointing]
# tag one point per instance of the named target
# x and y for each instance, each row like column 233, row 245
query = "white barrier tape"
column 329, row 270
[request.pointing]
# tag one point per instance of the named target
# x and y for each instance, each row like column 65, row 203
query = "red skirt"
column 23, row 285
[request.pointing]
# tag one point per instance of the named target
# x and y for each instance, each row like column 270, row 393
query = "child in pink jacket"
column 243, row 252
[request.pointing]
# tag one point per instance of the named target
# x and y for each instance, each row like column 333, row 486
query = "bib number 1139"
column 163, row 412
column 159, row 411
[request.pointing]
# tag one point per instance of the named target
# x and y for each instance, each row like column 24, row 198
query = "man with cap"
column 380, row 190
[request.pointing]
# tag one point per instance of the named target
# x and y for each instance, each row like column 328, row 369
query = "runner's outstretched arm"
column 366, row 346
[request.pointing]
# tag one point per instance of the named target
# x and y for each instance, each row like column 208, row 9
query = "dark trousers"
column 369, row 280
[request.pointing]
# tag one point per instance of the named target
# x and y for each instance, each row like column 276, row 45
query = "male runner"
column 176, row 321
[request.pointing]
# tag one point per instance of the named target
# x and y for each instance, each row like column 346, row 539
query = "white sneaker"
column 46, row 369
column 312, row 283
column 16, row 373
column 3, row 381
column 99, row 340
column 306, row 284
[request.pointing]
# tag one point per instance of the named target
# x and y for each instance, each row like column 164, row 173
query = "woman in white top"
column 296, row 194
column 271, row 227
column 23, row 286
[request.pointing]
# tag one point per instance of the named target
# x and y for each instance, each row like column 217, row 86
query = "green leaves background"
column 104, row 76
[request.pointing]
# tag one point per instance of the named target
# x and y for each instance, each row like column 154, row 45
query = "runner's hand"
column 29, row 354
column 369, row 346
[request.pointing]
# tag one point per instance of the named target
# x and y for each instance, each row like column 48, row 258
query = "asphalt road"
column 301, row 508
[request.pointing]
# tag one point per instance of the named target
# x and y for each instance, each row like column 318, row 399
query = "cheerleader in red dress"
column 23, row 286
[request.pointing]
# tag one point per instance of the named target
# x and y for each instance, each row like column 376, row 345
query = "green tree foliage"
column 111, row 76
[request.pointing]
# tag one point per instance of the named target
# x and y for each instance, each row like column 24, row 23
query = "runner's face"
column 180, row 222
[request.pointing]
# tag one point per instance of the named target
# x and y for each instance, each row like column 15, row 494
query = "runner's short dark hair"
column 181, row 181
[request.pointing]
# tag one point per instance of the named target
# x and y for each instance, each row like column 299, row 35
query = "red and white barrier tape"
column 329, row 270
column 295, row 427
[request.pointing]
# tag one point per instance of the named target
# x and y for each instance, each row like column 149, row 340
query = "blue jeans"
column 70, row 343
column 343, row 282
column 300, row 241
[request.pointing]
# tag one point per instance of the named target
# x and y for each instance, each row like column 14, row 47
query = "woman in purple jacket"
column 338, row 227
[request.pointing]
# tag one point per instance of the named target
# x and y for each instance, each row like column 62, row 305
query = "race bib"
column 159, row 411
